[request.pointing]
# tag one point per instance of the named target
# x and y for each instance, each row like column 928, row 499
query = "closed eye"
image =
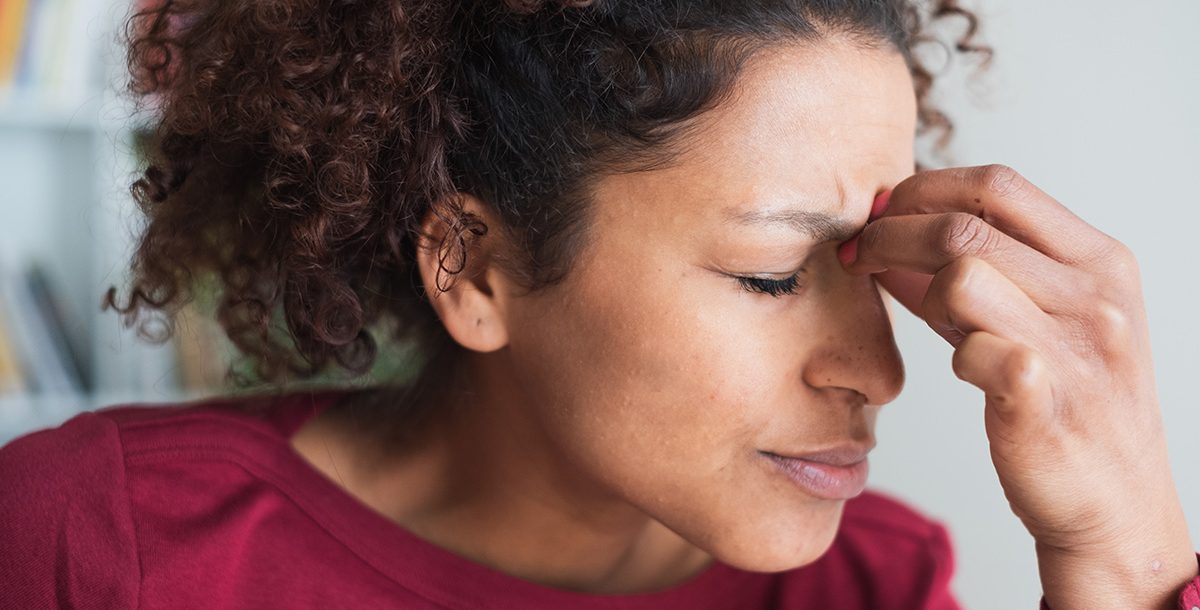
column 774, row 288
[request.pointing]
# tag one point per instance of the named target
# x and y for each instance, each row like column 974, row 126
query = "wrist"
column 1149, row 579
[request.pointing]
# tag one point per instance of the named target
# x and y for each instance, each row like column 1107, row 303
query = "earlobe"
column 457, row 256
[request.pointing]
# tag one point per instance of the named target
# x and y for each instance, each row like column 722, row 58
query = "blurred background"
column 70, row 146
column 1096, row 103
column 67, row 154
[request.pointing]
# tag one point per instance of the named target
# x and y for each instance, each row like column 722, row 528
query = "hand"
column 1046, row 316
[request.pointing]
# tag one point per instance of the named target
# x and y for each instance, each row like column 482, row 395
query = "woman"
column 639, row 246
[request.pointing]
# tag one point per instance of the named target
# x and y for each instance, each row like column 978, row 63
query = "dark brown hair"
column 296, row 145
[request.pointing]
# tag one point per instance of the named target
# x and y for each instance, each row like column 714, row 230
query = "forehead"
column 819, row 126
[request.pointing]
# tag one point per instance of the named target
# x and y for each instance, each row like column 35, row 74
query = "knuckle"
column 1000, row 180
column 1110, row 325
column 956, row 281
column 1024, row 369
column 958, row 360
column 1102, row 251
column 1121, row 260
column 1114, row 266
column 1122, row 253
column 963, row 234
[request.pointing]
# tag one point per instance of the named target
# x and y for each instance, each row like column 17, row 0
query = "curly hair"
column 296, row 145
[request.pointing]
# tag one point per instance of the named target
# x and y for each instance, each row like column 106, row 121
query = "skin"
column 620, row 414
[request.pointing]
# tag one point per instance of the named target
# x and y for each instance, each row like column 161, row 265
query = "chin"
column 781, row 543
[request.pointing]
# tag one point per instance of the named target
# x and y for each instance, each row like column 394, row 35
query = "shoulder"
column 61, row 466
column 64, row 517
column 232, row 425
column 71, row 482
column 107, row 437
column 93, row 453
column 75, row 473
column 74, row 506
column 79, row 461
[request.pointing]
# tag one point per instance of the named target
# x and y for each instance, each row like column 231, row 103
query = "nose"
column 858, row 350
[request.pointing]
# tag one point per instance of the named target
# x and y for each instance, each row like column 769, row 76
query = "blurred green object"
column 395, row 363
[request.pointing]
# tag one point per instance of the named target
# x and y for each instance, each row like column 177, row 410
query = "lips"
column 841, row 455
column 839, row 473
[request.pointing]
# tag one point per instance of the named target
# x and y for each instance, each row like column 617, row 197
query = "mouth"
column 839, row 473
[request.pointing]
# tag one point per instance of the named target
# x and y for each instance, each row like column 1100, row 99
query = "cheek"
column 656, row 360
column 673, row 368
column 661, row 388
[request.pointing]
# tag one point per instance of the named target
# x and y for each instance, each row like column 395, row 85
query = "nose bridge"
column 857, row 351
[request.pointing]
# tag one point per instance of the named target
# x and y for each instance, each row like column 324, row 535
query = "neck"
column 482, row 480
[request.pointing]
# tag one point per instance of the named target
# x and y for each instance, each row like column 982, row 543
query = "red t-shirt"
column 206, row 505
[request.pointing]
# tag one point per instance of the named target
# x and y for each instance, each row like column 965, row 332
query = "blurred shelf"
column 69, row 146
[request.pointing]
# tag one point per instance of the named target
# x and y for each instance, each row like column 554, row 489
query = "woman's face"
column 662, row 379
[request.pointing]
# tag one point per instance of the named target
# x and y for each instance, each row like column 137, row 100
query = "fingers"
column 966, row 296
column 927, row 243
column 1006, row 200
column 1014, row 377
column 969, row 295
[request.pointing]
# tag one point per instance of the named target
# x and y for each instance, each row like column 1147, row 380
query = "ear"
column 471, row 303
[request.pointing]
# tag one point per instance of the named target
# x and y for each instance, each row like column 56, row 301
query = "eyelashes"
column 774, row 288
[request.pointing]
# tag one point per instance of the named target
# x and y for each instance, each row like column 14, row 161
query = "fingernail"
column 848, row 251
column 880, row 204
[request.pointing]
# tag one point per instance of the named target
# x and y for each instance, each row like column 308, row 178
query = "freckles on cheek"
column 674, row 338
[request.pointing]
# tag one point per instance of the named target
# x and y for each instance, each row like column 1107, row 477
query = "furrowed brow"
column 818, row 226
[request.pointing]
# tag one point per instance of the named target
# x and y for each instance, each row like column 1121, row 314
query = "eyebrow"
column 818, row 226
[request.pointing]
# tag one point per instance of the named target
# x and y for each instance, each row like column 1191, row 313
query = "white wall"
column 1098, row 103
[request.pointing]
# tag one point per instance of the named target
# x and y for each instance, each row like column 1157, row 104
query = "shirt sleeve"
column 1189, row 597
column 66, row 529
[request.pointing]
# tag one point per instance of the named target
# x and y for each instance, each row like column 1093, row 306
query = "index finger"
column 1006, row 200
